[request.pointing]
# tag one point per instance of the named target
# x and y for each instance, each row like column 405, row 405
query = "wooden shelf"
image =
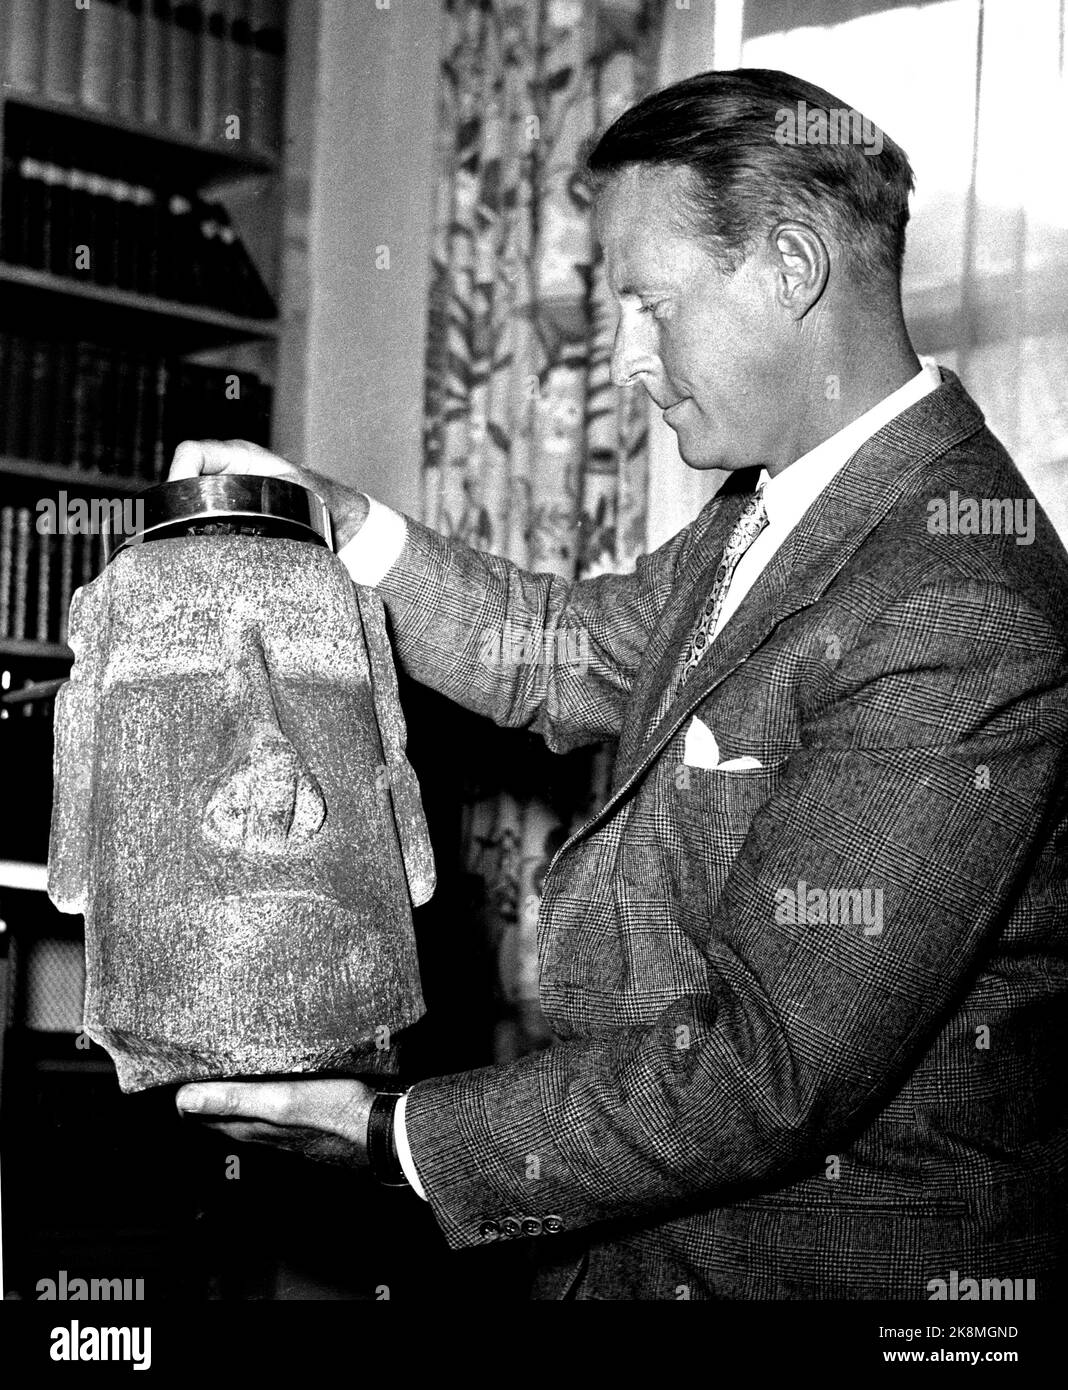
column 71, row 477
column 183, row 326
column 52, row 651
column 137, row 148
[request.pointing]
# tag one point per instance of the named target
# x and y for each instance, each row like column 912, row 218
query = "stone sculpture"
column 234, row 814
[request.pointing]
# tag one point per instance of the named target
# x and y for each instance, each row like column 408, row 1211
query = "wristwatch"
column 381, row 1145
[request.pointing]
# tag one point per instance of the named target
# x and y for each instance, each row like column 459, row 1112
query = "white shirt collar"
column 790, row 493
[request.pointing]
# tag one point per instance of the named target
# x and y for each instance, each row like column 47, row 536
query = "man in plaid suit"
column 806, row 966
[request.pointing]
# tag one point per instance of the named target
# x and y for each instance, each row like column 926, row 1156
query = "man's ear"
column 74, row 761
column 802, row 266
column 407, row 803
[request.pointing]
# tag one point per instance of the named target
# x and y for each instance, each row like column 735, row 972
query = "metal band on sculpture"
column 274, row 507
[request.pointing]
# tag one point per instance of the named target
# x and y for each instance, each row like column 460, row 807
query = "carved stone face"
column 235, row 815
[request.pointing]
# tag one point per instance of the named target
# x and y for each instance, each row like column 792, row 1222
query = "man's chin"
column 700, row 457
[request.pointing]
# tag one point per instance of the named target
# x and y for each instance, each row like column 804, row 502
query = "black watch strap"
column 381, row 1148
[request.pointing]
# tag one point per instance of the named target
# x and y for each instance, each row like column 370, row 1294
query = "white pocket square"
column 702, row 750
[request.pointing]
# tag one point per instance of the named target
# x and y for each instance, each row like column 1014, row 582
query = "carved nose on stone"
column 267, row 801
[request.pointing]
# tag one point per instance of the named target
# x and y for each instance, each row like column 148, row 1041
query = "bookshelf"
column 75, row 477
column 137, row 143
column 51, row 651
column 130, row 307
column 117, row 312
column 140, row 247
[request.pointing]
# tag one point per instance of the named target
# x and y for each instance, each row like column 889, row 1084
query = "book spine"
column 66, row 581
column 40, row 402
column 32, row 212
column 84, row 405
column 265, row 392
column 11, row 192
column 183, row 70
column 212, row 74
column 99, row 42
column 86, row 559
column 57, row 438
column 7, row 567
column 21, row 574
column 140, row 399
column 101, row 243
column 155, row 26
column 104, row 420
column 23, row 45
column 59, row 256
column 121, row 408
column 63, row 26
column 5, row 367
column 45, row 542
column 237, row 58
column 160, row 456
column 13, row 441
column 126, row 231
column 127, row 59
column 265, row 76
column 145, row 240
column 210, row 287
column 81, row 222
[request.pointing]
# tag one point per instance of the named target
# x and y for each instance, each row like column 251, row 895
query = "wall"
column 361, row 121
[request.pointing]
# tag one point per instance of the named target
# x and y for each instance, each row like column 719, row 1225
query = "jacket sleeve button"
column 510, row 1226
column 531, row 1226
column 552, row 1225
column 488, row 1230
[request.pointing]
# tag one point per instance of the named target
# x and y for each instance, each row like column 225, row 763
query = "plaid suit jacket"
column 747, row 1100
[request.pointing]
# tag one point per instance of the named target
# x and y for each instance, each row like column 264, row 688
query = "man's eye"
column 654, row 308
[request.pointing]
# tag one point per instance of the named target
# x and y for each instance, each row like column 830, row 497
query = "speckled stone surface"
column 235, row 816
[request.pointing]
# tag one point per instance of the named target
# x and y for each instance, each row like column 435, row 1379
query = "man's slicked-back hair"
column 755, row 161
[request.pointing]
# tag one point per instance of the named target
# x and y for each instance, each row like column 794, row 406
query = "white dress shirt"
column 376, row 547
column 788, row 496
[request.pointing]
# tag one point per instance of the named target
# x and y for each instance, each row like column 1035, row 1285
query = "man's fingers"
column 272, row 1101
column 196, row 456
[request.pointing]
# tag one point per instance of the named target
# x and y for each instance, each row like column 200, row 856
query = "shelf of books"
column 125, row 282
column 140, row 234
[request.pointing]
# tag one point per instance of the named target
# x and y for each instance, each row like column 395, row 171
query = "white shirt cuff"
column 376, row 546
column 400, row 1138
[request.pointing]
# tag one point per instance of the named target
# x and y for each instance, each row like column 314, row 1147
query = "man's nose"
column 634, row 349
column 267, row 800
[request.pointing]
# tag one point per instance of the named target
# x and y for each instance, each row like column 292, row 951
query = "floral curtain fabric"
column 530, row 452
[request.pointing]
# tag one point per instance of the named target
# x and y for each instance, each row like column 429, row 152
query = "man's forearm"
column 527, row 650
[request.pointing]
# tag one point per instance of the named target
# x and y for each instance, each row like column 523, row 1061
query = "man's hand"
column 321, row 1119
column 347, row 506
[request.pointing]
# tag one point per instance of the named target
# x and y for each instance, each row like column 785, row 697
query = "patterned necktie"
column 746, row 529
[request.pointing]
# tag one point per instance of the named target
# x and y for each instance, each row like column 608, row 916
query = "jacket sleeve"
column 527, row 650
column 802, row 1029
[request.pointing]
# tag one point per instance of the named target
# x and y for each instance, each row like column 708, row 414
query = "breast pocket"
column 729, row 797
column 713, row 812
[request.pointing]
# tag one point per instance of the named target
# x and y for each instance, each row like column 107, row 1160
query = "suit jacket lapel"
column 679, row 615
column 889, row 464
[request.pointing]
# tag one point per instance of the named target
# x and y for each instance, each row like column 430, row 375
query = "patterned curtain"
column 530, row 452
